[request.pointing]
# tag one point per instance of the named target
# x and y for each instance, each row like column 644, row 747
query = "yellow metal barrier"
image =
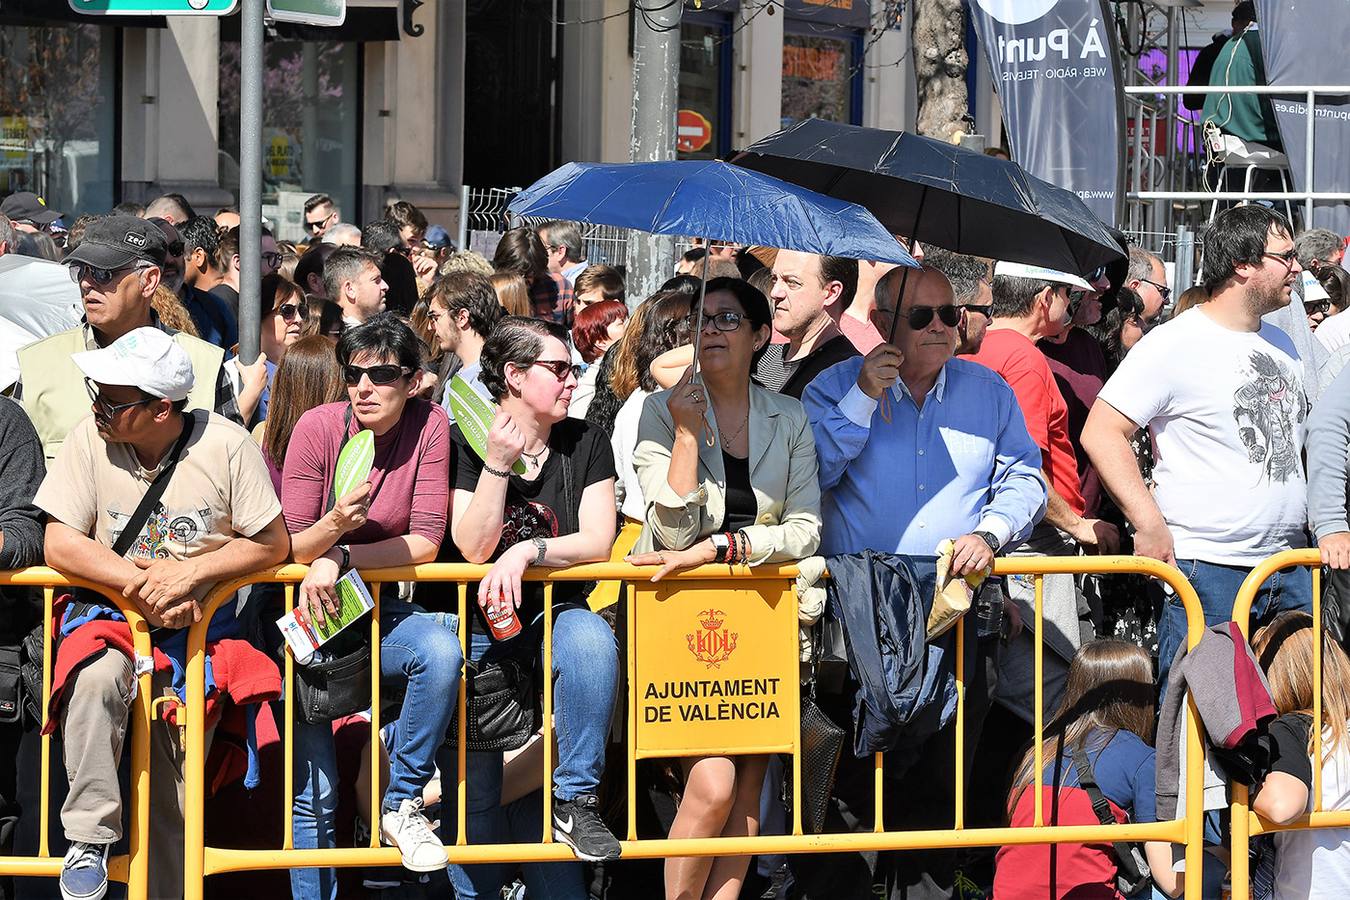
column 1245, row 823
column 687, row 590
column 131, row 868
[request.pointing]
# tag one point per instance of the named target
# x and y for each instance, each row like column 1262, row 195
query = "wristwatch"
column 540, row 549
column 721, row 544
column 988, row 539
column 346, row 552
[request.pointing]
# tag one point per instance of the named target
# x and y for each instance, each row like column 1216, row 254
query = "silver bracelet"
column 540, row 550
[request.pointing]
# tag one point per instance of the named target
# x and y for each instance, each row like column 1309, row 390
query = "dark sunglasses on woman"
column 559, row 368
column 380, row 375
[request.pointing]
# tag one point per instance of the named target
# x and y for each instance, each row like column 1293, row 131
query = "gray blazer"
column 783, row 475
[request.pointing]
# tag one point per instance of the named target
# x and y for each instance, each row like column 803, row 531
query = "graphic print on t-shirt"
column 1267, row 409
column 522, row 521
column 161, row 529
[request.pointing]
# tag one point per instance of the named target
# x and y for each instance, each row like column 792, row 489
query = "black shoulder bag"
column 336, row 682
column 1132, row 871
column 80, row 599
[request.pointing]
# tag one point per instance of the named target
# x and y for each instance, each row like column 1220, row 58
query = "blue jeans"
column 1217, row 586
column 585, row 683
column 420, row 650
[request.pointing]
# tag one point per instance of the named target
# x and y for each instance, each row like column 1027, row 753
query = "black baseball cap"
column 26, row 206
column 115, row 242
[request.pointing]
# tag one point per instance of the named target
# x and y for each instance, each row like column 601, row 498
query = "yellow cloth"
column 607, row 593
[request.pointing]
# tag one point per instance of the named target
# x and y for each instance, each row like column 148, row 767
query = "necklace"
column 729, row 438
column 534, row 457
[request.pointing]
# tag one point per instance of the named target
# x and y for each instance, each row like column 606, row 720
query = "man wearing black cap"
column 28, row 212
column 118, row 264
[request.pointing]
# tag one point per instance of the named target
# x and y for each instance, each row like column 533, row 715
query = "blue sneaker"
column 84, row 876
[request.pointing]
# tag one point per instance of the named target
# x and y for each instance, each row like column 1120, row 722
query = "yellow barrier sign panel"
column 716, row 668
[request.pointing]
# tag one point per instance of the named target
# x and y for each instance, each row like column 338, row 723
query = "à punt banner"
column 1056, row 68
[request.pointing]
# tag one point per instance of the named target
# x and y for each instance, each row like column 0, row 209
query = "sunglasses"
column 1287, row 257
column 921, row 316
column 1312, row 307
column 101, row 277
column 560, row 368
column 723, row 321
column 987, row 310
column 1099, row 272
column 294, row 311
column 316, row 224
column 380, row 375
column 1163, row 290
column 109, row 410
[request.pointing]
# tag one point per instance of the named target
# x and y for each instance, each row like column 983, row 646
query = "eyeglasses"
column 560, row 368
column 174, row 249
column 723, row 321
column 101, row 277
column 1287, row 257
column 294, row 311
column 920, row 316
column 380, row 375
column 1312, row 307
column 111, row 409
column 1163, row 290
column 987, row 310
column 271, row 260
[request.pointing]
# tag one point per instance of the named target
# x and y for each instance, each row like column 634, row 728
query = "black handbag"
column 336, row 682
column 822, row 745
column 503, row 704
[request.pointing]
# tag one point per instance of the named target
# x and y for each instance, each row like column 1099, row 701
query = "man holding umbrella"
column 916, row 447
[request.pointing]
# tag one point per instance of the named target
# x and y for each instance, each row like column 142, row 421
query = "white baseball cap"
column 145, row 358
column 1312, row 288
column 1040, row 273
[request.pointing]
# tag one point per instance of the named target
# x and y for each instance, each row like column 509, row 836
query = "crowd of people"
column 880, row 417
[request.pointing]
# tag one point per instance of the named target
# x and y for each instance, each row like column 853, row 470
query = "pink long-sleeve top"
column 410, row 477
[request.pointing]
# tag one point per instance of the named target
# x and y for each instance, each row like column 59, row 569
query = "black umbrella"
column 939, row 193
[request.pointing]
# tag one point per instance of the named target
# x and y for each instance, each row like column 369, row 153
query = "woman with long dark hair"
column 308, row 376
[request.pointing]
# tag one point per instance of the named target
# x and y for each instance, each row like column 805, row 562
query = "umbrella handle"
column 708, row 437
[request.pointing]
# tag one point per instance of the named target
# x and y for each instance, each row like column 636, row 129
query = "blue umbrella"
column 713, row 200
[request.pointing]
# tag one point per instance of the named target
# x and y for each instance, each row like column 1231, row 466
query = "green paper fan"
column 353, row 463
column 474, row 417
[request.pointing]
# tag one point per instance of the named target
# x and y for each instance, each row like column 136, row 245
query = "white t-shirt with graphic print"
column 1226, row 410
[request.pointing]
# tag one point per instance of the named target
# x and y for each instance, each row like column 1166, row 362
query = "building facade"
column 414, row 100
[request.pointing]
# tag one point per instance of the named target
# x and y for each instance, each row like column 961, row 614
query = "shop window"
column 58, row 115
column 310, row 136
column 819, row 78
column 703, row 125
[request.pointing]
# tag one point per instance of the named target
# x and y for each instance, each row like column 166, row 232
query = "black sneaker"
column 577, row 824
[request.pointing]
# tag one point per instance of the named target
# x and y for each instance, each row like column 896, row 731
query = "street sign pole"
column 250, row 178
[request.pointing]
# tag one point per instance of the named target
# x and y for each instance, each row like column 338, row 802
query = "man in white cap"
column 1031, row 303
column 216, row 518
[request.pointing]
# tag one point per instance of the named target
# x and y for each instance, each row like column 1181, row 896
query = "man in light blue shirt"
column 916, row 446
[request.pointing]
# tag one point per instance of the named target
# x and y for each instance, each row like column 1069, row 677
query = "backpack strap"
column 1126, row 855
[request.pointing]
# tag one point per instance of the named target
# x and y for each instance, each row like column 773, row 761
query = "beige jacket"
column 782, row 475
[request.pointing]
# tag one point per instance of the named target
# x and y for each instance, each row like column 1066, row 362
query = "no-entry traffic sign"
column 154, row 7
column 693, row 131
column 308, row 12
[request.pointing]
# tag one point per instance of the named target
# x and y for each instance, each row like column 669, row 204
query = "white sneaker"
column 407, row 829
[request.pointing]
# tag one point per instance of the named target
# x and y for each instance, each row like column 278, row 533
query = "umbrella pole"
column 904, row 276
column 708, row 435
